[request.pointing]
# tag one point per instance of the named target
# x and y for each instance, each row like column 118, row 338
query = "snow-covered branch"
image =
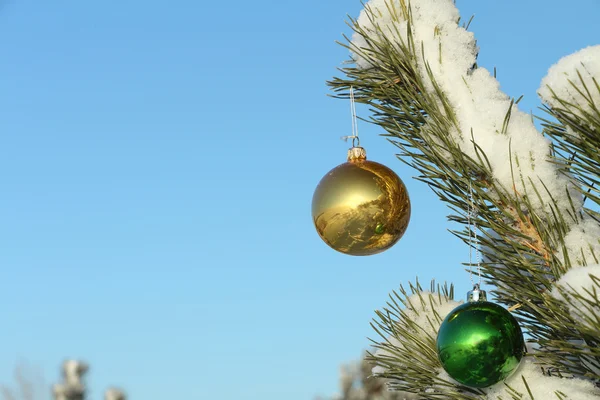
column 415, row 65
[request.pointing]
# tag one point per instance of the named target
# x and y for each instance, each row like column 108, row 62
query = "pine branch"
column 576, row 135
column 407, row 353
column 520, row 241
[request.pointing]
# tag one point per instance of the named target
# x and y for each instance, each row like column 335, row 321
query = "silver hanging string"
column 354, row 136
column 471, row 216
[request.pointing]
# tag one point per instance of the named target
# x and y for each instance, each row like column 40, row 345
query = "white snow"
column 422, row 314
column 479, row 104
column 378, row 369
column 578, row 280
column 541, row 386
column 391, row 23
column 582, row 243
column 562, row 75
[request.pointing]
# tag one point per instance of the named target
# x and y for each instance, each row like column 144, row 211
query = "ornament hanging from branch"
column 360, row 207
column 479, row 343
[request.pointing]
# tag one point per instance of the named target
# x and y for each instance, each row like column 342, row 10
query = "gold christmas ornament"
column 361, row 207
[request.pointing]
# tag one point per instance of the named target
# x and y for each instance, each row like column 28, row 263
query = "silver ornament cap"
column 476, row 294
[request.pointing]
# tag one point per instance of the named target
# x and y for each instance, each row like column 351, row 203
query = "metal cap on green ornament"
column 476, row 294
column 480, row 343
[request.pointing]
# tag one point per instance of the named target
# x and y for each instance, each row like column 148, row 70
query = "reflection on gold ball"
column 361, row 207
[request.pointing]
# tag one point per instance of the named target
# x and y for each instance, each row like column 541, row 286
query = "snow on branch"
column 582, row 244
column 573, row 82
column 580, row 290
column 405, row 354
column 447, row 52
column 416, row 66
column 529, row 378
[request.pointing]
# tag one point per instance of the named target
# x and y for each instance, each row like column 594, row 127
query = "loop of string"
column 354, row 136
column 471, row 216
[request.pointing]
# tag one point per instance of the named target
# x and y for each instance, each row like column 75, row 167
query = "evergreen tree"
column 535, row 196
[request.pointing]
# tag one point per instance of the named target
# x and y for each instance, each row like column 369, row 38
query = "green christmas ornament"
column 480, row 343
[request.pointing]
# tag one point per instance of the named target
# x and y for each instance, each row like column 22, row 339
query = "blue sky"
column 158, row 163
